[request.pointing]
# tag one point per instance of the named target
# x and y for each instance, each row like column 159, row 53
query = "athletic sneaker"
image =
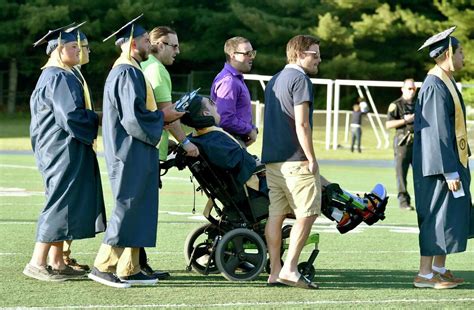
column 436, row 282
column 449, row 276
column 44, row 273
column 140, row 278
column 160, row 275
column 107, row 278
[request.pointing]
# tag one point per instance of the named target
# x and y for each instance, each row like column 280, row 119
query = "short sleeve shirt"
column 159, row 79
column 398, row 108
column 287, row 89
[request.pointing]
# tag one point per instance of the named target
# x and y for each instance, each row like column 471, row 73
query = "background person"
column 441, row 166
column 230, row 93
column 400, row 116
column 356, row 123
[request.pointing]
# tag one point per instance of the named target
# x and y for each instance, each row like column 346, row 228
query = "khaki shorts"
column 293, row 189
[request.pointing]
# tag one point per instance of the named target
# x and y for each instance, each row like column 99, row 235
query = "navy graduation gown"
column 62, row 132
column 225, row 153
column 445, row 222
column 130, row 133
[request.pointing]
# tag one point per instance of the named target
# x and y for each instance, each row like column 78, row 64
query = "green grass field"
column 370, row 267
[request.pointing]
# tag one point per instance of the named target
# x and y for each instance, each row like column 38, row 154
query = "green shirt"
column 160, row 81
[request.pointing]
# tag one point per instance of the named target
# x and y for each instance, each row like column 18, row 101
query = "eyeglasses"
column 251, row 53
column 174, row 46
column 314, row 53
column 86, row 46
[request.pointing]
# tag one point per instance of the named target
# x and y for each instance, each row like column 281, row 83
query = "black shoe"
column 107, row 278
column 140, row 278
column 160, row 275
column 407, row 207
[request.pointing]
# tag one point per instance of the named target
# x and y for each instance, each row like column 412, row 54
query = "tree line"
column 360, row 39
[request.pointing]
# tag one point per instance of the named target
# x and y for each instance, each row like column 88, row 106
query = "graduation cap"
column 183, row 103
column 76, row 32
column 55, row 38
column 440, row 42
column 127, row 32
column 80, row 37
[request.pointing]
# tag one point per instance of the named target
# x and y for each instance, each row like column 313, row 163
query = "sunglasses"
column 174, row 46
column 251, row 53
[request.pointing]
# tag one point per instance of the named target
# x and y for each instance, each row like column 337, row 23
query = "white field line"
column 268, row 304
column 19, row 166
column 102, row 172
column 181, row 252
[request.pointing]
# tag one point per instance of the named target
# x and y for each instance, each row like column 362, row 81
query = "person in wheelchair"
column 223, row 151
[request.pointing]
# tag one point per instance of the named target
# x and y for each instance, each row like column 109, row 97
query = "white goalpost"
column 333, row 88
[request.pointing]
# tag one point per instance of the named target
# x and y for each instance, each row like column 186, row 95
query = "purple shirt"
column 232, row 99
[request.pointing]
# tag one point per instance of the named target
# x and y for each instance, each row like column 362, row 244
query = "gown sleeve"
column 69, row 109
column 437, row 132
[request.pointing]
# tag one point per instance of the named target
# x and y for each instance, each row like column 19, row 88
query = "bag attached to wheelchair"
column 349, row 210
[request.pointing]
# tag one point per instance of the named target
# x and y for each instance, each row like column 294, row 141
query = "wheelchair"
column 233, row 242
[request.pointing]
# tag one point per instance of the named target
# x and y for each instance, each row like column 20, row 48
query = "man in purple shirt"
column 230, row 93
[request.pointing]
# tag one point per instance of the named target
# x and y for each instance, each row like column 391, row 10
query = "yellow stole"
column 253, row 181
column 459, row 120
column 150, row 98
column 54, row 62
column 202, row 131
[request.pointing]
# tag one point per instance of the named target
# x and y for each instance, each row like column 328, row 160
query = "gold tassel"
column 451, row 65
column 130, row 43
column 81, row 54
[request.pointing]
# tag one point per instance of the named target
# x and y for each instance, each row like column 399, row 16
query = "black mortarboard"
column 54, row 36
column 440, row 42
column 75, row 31
column 125, row 32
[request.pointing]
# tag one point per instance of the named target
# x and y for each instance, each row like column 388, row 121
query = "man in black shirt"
column 400, row 116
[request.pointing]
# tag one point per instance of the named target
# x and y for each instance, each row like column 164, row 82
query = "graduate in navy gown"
column 62, row 131
column 101, row 214
column 440, row 166
column 131, row 129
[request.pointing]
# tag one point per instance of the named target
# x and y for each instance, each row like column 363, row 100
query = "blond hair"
column 299, row 44
column 231, row 45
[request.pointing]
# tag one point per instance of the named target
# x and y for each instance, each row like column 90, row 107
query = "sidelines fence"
column 333, row 112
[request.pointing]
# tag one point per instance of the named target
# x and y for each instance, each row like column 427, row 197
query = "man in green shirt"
column 165, row 47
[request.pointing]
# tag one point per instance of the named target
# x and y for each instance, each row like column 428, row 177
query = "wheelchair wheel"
column 241, row 255
column 309, row 273
column 200, row 242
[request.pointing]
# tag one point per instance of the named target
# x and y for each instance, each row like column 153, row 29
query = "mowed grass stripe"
column 370, row 267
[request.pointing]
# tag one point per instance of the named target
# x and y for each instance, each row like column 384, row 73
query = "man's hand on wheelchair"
column 252, row 137
column 191, row 149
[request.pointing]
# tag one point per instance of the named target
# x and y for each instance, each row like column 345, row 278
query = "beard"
column 143, row 54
